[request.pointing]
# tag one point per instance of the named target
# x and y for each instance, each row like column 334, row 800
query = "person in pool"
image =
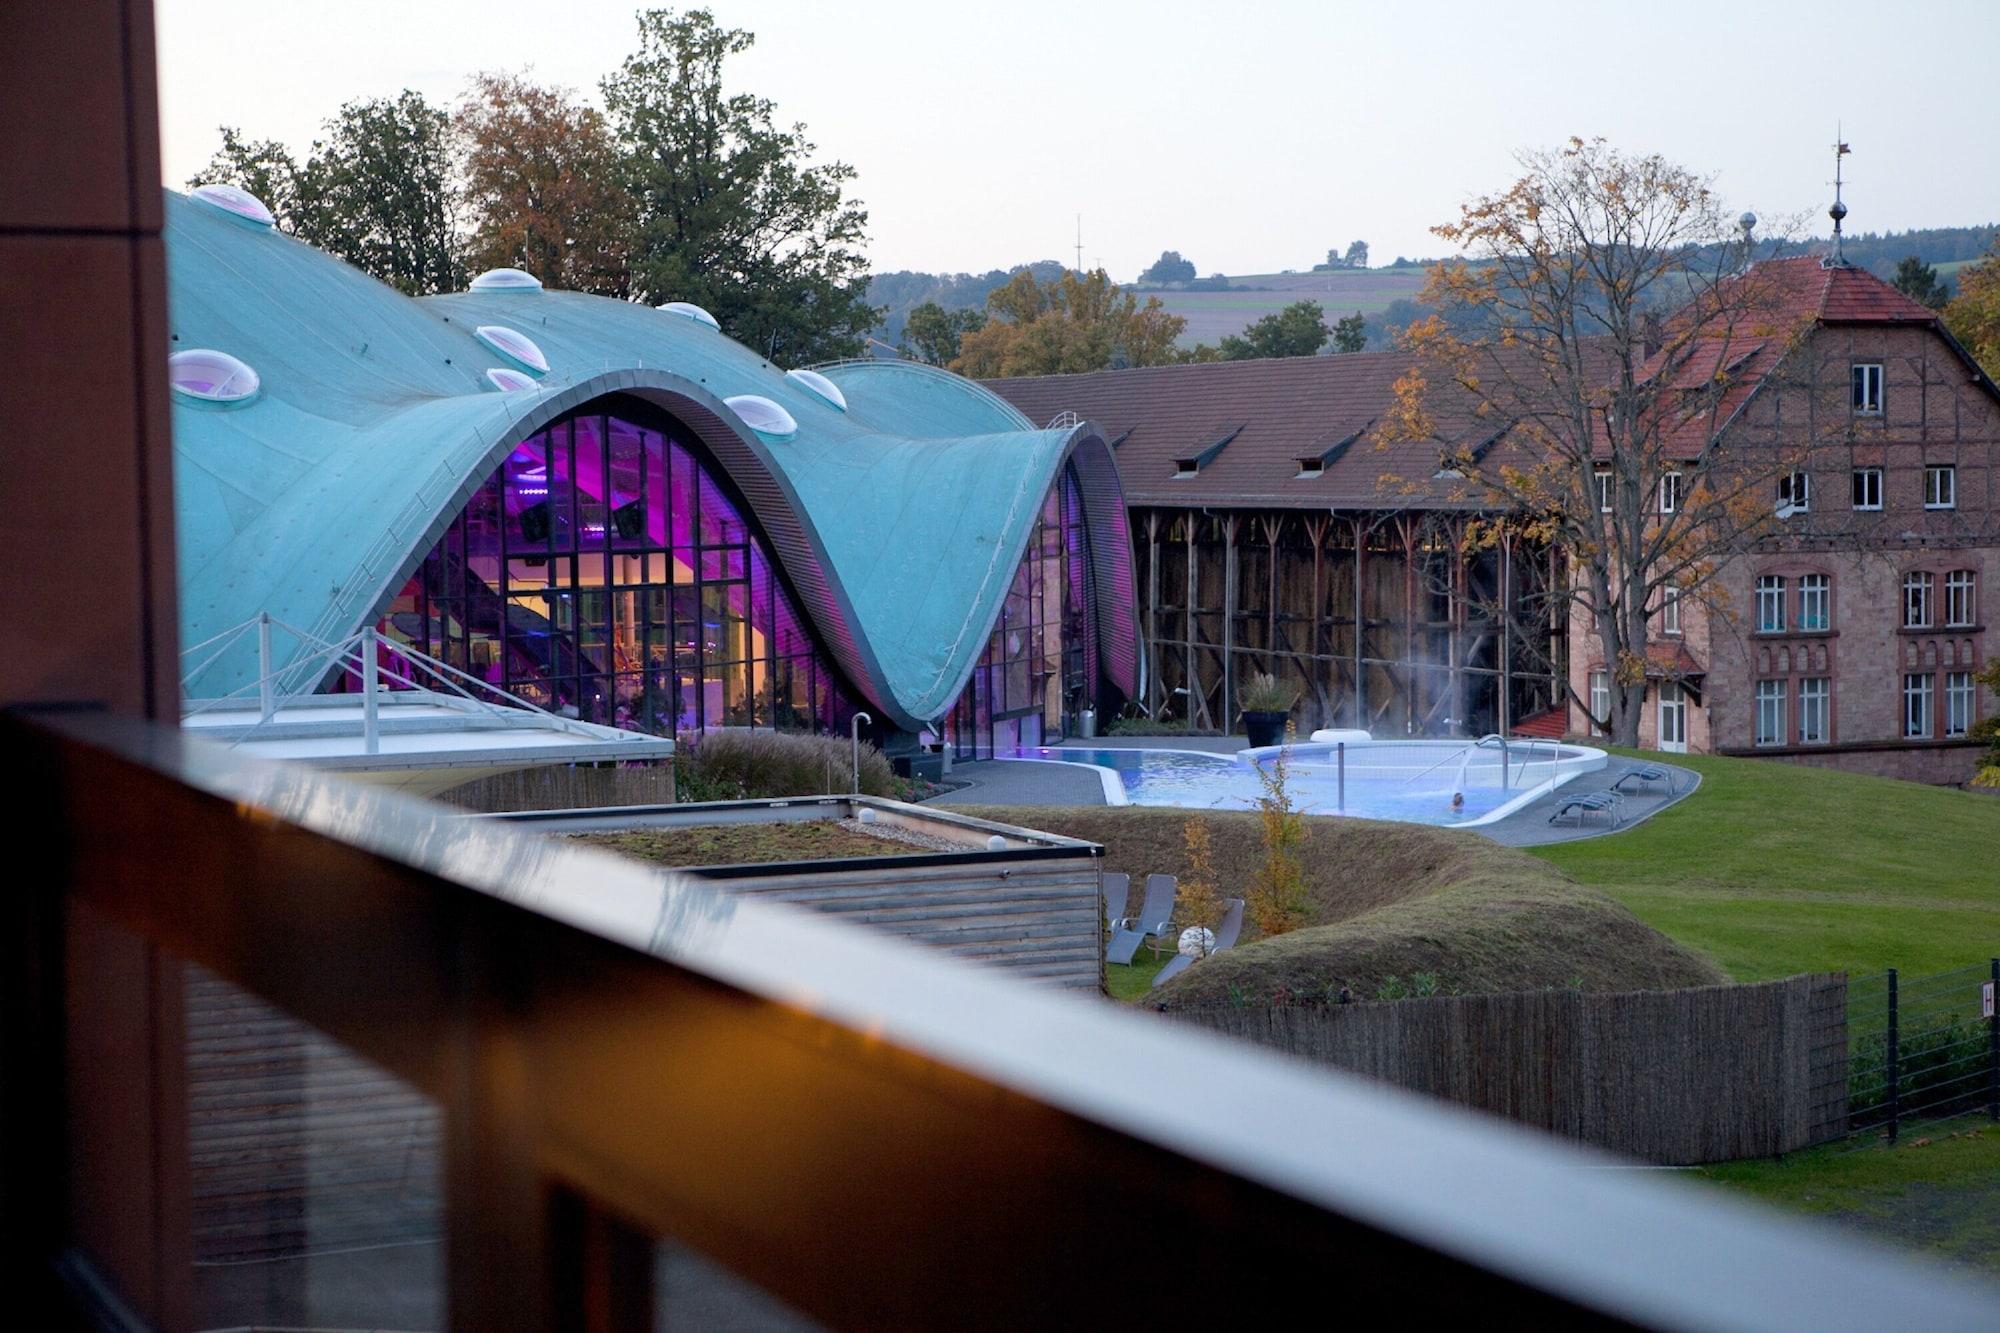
column 1457, row 802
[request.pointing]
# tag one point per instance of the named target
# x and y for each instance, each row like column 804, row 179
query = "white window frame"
column 1770, row 603
column 1600, row 700
column 1670, row 492
column 1958, row 694
column 1794, row 494
column 1918, row 607
column 1960, row 603
column 1869, row 481
column 1815, row 710
column 1673, row 709
column 1602, row 472
column 1864, row 388
column 1919, row 698
column 1670, row 611
column 1770, row 719
column 1815, row 588
column 1940, row 486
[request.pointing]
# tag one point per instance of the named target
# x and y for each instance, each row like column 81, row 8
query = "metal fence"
column 1922, row 1048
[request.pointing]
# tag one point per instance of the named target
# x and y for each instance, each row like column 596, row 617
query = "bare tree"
column 1599, row 333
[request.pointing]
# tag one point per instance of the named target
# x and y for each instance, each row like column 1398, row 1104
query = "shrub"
column 1265, row 693
column 736, row 765
column 1277, row 900
column 1940, row 1071
column 1197, row 903
column 1154, row 726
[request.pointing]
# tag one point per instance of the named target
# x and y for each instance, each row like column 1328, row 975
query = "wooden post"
column 1153, row 694
column 1195, row 696
column 1506, row 710
column 1316, row 529
column 1411, row 670
column 1228, row 716
column 1360, row 624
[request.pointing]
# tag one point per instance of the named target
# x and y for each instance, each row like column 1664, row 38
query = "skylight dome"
column 762, row 415
column 820, row 385
column 506, row 280
column 689, row 310
column 509, row 381
column 240, row 203
column 514, row 345
column 209, row 376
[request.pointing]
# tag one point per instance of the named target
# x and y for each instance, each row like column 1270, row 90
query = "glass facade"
column 605, row 571
column 1039, row 670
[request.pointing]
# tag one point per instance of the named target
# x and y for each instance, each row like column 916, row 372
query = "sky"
column 1251, row 137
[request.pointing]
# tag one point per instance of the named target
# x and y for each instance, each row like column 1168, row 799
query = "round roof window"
column 689, row 310
column 209, row 376
column 229, row 199
column 820, row 385
column 514, row 345
column 509, row 381
column 506, row 280
column 761, row 414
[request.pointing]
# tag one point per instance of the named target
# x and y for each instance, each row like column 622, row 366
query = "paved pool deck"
column 1014, row 782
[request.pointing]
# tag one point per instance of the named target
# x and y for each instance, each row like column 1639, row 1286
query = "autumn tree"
column 1076, row 322
column 932, row 334
column 1350, row 334
column 542, row 186
column 1973, row 316
column 1297, row 330
column 1196, row 901
column 1920, row 282
column 1575, row 414
column 733, row 212
column 1277, row 898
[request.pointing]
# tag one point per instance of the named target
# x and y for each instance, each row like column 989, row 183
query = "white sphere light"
column 1197, row 942
column 689, row 310
column 514, row 345
column 238, row 202
column 996, row 843
column 509, row 381
column 820, row 385
column 761, row 414
column 208, row 376
column 506, row 280
column 865, row 815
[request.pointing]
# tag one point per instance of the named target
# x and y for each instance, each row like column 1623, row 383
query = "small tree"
column 1297, row 330
column 1988, row 729
column 1277, row 897
column 1169, row 267
column 1351, row 334
column 1357, row 255
column 933, row 335
column 1197, row 903
column 1973, row 316
column 1920, row 282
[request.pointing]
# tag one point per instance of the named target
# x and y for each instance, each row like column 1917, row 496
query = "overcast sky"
column 1249, row 136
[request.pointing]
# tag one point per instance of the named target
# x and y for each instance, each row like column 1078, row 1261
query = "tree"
column 1277, row 899
column 1919, row 281
column 542, row 189
column 1198, row 904
column 1169, row 267
column 1076, row 322
column 1988, row 730
column 377, row 191
column 1565, row 404
column 1297, row 330
column 733, row 215
column 1351, row 333
column 932, row 334
column 1974, row 314
column 1357, row 255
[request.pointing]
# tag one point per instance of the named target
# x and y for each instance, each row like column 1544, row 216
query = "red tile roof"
column 1551, row 724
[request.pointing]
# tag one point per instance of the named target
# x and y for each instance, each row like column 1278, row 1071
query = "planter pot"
column 1264, row 728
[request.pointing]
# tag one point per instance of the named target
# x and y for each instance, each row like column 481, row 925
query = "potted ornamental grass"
column 1267, row 703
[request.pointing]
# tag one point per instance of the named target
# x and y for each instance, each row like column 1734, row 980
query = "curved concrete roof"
column 899, row 521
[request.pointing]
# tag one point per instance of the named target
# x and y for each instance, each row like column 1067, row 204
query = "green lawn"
column 1132, row 983
column 1775, row 868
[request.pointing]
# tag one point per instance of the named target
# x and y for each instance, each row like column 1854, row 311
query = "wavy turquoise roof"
column 900, row 521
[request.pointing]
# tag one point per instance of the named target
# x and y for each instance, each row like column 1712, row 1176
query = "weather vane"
column 1838, row 259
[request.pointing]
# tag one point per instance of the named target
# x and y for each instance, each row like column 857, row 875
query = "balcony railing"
column 875, row 1136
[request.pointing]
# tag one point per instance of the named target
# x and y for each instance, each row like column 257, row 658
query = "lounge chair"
column 1156, row 917
column 1597, row 802
column 1225, row 938
column 1117, row 889
column 1651, row 774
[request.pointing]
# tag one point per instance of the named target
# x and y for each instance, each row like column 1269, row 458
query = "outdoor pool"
column 1412, row 781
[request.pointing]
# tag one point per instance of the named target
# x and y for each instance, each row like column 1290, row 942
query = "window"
column 209, row 376
column 1603, row 489
column 1957, row 703
column 1868, row 488
column 1794, row 494
column 1917, row 600
column 1940, row 486
column 1600, row 700
column 1770, row 712
column 1959, row 612
column 1771, row 604
column 514, row 345
column 1865, row 384
column 1815, row 602
column 820, row 385
column 761, row 414
column 1916, row 705
column 1670, row 493
column 1814, row 694
column 1670, row 611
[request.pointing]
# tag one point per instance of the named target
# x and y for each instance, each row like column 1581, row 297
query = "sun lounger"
column 1154, row 918
column 1225, row 937
column 1651, row 775
column 1597, row 802
column 1117, row 889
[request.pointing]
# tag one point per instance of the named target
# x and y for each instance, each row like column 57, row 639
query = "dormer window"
column 1309, row 468
column 1865, row 389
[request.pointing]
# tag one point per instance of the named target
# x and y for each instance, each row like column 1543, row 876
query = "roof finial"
column 1838, row 259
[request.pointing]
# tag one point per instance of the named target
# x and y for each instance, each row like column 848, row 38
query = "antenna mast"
column 1079, row 245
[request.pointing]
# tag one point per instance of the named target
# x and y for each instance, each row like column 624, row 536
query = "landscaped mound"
column 1397, row 909
column 740, row 764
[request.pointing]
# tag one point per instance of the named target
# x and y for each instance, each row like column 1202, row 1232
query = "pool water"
column 1408, row 781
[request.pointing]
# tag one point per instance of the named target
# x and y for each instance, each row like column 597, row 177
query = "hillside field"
column 1212, row 316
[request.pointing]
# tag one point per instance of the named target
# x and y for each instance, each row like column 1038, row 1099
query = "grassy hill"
column 1387, row 901
column 1775, row 868
column 1212, row 316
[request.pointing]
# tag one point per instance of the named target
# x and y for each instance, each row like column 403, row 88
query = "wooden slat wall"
column 1677, row 1077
